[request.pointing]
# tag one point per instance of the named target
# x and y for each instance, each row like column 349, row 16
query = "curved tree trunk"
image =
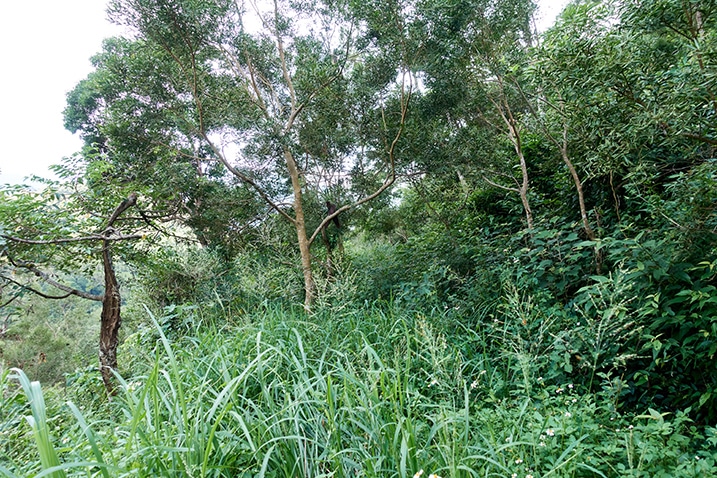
column 515, row 138
column 514, row 135
column 581, row 196
column 524, row 185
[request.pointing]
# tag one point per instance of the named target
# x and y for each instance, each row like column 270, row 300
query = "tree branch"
column 390, row 179
column 339, row 71
column 500, row 186
column 123, row 206
column 73, row 239
column 11, row 300
column 246, row 179
column 46, row 277
column 701, row 138
column 34, row 291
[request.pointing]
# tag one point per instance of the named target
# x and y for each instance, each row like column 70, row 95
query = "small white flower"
column 474, row 384
column 433, row 475
column 528, row 476
column 550, row 432
column 418, row 473
column 559, row 390
column 542, row 443
column 570, row 386
column 568, row 414
column 514, row 475
column 518, row 461
column 433, row 382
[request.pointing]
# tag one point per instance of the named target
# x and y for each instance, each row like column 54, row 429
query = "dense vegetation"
column 373, row 238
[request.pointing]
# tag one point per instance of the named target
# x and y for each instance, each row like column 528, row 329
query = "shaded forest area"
column 373, row 238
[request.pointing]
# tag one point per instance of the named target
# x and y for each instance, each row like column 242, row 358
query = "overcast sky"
column 45, row 47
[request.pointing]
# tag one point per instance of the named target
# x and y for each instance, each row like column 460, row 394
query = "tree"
column 255, row 95
column 634, row 82
column 63, row 241
column 473, row 51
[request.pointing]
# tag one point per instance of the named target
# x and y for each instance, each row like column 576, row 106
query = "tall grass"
column 38, row 423
column 375, row 392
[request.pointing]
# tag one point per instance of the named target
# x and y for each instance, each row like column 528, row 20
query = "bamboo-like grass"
column 375, row 393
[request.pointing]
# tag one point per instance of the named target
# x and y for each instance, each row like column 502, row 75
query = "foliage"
column 530, row 291
column 48, row 339
column 378, row 391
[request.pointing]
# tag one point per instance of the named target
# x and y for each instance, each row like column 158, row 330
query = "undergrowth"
column 377, row 392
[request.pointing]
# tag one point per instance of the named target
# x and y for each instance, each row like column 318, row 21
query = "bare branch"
column 11, row 300
column 46, row 277
column 500, row 186
column 123, row 206
column 339, row 71
column 701, row 138
column 246, row 179
column 282, row 59
column 390, row 179
column 34, row 291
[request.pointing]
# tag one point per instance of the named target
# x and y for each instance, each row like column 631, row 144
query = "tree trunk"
column 581, row 196
column 329, row 252
column 576, row 180
column 514, row 135
column 299, row 222
column 524, row 186
column 110, row 322
column 515, row 138
column 111, row 319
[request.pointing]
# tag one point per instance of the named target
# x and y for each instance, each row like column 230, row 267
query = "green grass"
column 375, row 392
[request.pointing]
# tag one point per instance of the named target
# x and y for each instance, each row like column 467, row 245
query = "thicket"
column 379, row 391
column 533, row 293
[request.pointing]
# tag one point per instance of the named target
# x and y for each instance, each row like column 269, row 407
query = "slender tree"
column 473, row 50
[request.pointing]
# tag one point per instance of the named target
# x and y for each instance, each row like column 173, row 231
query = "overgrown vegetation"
column 403, row 238
column 378, row 391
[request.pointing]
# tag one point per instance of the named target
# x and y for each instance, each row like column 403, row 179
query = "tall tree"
column 255, row 93
column 473, row 50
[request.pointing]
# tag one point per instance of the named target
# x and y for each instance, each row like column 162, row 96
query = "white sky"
column 45, row 47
